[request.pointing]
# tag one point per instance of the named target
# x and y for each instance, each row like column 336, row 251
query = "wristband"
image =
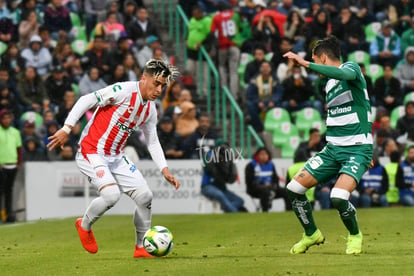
column 66, row 129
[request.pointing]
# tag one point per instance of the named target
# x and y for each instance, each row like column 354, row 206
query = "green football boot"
column 354, row 244
column 307, row 241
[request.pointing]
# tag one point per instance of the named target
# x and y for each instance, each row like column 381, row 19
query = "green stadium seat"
column 360, row 57
column 396, row 113
column 308, row 118
column 288, row 149
column 408, row 98
column 75, row 89
column 75, row 19
column 79, row 46
column 275, row 117
column 282, row 134
column 3, row 47
column 32, row 117
column 371, row 31
column 374, row 71
column 245, row 58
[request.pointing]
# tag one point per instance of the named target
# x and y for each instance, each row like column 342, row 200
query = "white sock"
column 107, row 199
column 142, row 214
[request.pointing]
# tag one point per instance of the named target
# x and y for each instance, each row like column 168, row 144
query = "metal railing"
column 181, row 31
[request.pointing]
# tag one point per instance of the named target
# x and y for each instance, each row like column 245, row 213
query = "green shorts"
column 334, row 160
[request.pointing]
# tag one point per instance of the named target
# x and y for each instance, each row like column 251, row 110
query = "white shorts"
column 102, row 170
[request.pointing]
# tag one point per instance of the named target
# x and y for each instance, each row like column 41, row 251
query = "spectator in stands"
column 66, row 153
column 113, row 29
column 187, row 122
column 51, row 128
column 47, row 41
column 12, row 59
column 228, row 44
column 171, row 142
column 131, row 67
column 319, row 28
column 373, row 186
column 253, row 67
column 56, row 85
column 405, row 71
column 198, row 35
column 262, row 180
column 32, row 151
column 294, row 29
column 7, row 28
column 91, row 81
column 385, row 124
column 350, row 32
column 113, row 6
column 32, row 91
column 313, row 145
column 97, row 56
column 286, row 6
column 118, row 53
column 400, row 13
column 385, row 48
column 172, row 93
column 8, row 100
column 130, row 9
column 94, row 12
column 283, row 66
column 381, row 135
column 158, row 53
column 388, row 147
column 404, row 179
column 118, row 75
column 65, row 106
column 6, row 78
column 48, row 116
column 406, row 122
column 145, row 54
column 10, row 160
column 297, row 92
column 37, row 56
column 210, row 6
column 387, row 90
column 220, row 170
column 57, row 20
column 26, row 7
column 141, row 28
column 363, row 10
column 202, row 140
column 263, row 93
column 266, row 32
column 29, row 129
column 28, row 28
column 407, row 37
column 70, row 61
column 315, row 6
column 4, row 11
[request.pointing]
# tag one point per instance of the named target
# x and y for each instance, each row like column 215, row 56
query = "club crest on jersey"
column 100, row 173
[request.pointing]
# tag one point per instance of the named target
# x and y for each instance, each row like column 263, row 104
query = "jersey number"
column 116, row 87
column 228, row 28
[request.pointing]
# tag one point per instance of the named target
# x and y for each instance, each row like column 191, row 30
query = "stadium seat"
column 308, row 118
column 79, row 46
column 75, row 19
column 371, row 31
column 360, row 57
column 75, row 88
column 408, row 98
column 282, row 134
column 3, row 47
column 374, row 71
column 396, row 113
column 275, row 117
column 289, row 147
column 32, row 117
column 245, row 58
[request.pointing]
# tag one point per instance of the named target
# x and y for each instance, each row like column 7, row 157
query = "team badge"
column 100, row 173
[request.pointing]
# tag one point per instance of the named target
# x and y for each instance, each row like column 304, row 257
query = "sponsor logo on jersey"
column 340, row 110
column 100, row 173
column 124, row 127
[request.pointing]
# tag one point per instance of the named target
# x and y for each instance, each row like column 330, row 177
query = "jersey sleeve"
column 346, row 72
column 112, row 94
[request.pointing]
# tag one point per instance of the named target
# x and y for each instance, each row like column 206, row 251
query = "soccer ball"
column 158, row 241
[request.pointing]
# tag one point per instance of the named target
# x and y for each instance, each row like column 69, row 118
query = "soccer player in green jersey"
column 349, row 149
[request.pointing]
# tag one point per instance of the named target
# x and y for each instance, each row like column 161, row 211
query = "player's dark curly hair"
column 329, row 46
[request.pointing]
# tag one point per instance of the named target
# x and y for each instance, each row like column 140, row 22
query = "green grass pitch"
column 221, row 244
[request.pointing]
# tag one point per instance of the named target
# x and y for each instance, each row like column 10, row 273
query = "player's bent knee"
column 111, row 194
column 142, row 197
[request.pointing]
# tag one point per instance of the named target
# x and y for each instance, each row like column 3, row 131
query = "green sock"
column 347, row 212
column 303, row 211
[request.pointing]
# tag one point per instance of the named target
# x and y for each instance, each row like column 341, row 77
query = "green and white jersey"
column 349, row 120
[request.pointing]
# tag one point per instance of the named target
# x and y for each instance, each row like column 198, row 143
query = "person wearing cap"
column 386, row 46
column 152, row 42
column 171, row 142
column 37, row 56
column 10, row 160
column 57, row 84
column 405, row 71
column 141, row 28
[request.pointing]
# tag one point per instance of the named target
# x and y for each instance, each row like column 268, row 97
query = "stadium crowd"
column 52, row 52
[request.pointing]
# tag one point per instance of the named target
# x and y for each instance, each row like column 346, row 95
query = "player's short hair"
column 329, row 46
column 160, row 68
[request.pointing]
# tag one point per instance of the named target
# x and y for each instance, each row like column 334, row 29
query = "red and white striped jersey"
column 120, row 110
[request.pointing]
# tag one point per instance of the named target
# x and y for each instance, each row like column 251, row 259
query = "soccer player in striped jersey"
column 348, row 153
column 121, row 108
